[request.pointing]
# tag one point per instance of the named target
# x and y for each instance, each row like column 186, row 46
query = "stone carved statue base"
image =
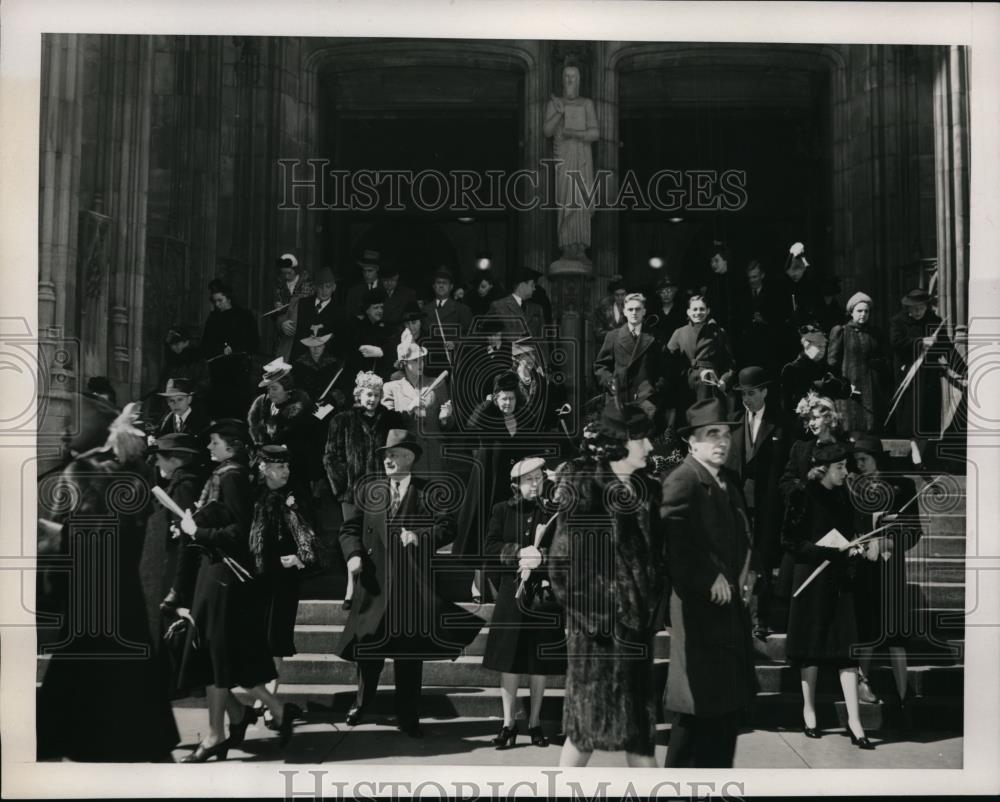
column 575, row 264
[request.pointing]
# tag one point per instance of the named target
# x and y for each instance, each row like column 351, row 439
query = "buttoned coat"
column 759, row 468
column 711, row 659
column 636, row 366
column 396, row 611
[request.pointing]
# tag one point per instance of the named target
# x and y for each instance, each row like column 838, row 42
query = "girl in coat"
column 822, row 622
column 227, row 642
column 524, row 637
column 612, row 602
column 856, row 354
column 885, row 600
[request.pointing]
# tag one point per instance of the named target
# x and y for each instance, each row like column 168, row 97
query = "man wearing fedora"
column 290, row 289
column 711, row 679
column 370, row 265
column 758, row 454
column 630, row 364
column 389, row 544
column 398, row 297
column 166, row 569
column 520, row 314
column 184, row 416
column 324, row 307
column 449, row 320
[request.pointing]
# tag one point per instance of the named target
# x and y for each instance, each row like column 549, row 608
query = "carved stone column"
column 60, row 157
column 951, row 179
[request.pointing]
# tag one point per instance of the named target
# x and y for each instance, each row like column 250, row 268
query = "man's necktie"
column 635, row 335
column 394, row 500
column 178, row 423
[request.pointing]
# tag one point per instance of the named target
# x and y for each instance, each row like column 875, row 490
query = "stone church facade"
column 161, row 168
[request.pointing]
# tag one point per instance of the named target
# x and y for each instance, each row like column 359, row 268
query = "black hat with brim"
column 625, row 422
column 400, row 438
column 830, row 453
column 229, row 427
column 178, row 442
column 708, row 412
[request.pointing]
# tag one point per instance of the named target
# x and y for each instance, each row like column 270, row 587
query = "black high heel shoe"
column 812, row 732
column 238, row 731
column 204, row 753
column 537, row 736
column 289, row 713
column 862, row 742
column 506, row 738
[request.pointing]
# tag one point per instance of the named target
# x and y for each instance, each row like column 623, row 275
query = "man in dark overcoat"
column 630, row 364
column 711, row 679
column 517, row 309
column 324, row 307
column 758, row 453
column 388, row 545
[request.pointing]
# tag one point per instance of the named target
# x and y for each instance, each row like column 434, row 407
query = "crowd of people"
column 728, row 451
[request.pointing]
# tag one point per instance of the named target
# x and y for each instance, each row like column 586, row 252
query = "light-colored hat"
column 315, row 338
column 858, row 298
column 526, row 466
column 178, row 387
column 275, row 371
column 288, row 260
column 408, row 350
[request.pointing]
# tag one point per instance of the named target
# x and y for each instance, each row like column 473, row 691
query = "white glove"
column 371, row 351
column 291, row 561
column 354, row 565
column 188, row 526
column 408, row 538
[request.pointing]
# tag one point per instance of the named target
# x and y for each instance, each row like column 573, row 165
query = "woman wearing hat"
column 424, row 404
column 809, row 372
column 612, row 603
column 282, row 544
column 822, row 621
column 227, row 643
column 353, row 438
column 823, row 425
column 283, row 414
column 526, row 632
column 315, row 368
column 115, row 706
column 292, row 288
column 885, row 600
column 855, row 353
column 504, row 438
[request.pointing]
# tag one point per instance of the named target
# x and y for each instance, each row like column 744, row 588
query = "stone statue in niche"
column 571, row 122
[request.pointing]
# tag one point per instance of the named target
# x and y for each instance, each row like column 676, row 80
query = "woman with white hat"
column 526, row 632
column 854, row 352
column 424, row 403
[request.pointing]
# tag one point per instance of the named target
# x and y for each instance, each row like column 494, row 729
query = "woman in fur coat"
column 283, row 414
column 352, row 439
column 613, row 603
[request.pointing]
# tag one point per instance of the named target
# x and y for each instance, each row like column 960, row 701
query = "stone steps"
column 769, row 709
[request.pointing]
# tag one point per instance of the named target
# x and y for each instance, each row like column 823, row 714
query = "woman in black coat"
column 856, row 354
column 105, row 695
column 822, row 622
column 504, row 438
column 809, row 373
column 227, row 642
column 229, row 343
column 283, row 415
column 526, row 631
column 885, row 598
column 609, row 540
